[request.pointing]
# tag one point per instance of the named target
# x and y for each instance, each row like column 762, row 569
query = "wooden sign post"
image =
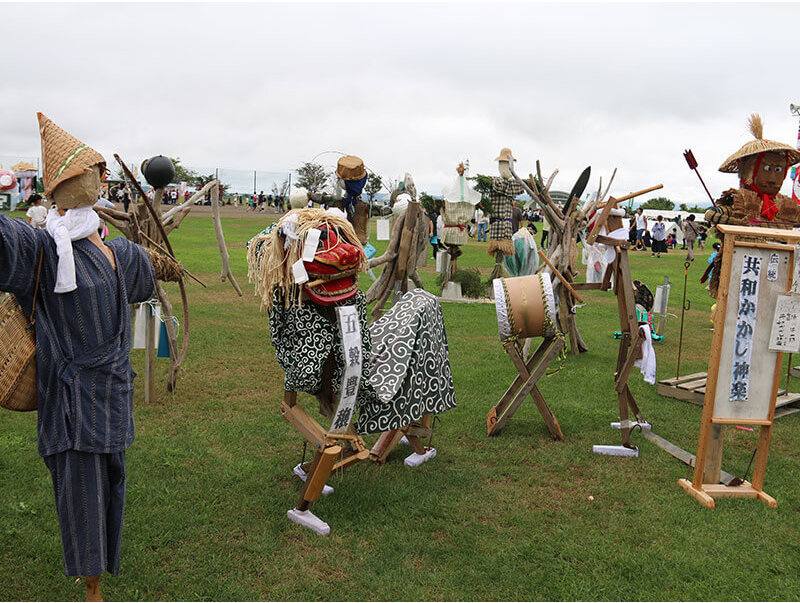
column 745, row 366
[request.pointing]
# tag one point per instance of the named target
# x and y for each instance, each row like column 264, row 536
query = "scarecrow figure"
column 762, row 166
column 351, row 176
column 83, row 340
column 504, row 190
column 460, row 200
column 392, row 374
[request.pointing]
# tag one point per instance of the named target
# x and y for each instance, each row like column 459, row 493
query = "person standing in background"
column 37, row 213
column 481, row 222
column 659, row 237
column 690, row 232
column 641, row 228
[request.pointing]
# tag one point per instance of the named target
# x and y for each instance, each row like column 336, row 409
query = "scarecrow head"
column 72, row 171
column 504, row 160
column 761, row 164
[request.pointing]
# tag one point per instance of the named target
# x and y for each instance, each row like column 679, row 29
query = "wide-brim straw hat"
column 350, row 167
column 757, row 146
column 505, row 155
column 63, row 155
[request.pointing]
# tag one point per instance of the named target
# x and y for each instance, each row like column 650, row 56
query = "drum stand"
column 525, row 383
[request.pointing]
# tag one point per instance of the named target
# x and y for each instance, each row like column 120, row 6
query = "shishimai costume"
column 305, row 268
column 762, row 166
column 406, row 371
column 82, row 325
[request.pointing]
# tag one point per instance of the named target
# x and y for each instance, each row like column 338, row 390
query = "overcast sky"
column 409, row 87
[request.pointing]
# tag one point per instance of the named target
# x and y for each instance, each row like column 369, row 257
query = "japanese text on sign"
column 745, row 324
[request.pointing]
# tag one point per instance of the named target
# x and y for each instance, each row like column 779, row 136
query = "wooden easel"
column 630, row 343
column 704, row 486
column 525, row 383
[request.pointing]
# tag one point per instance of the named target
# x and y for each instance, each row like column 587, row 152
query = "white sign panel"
column 383, row 229
column 747, row 364
column 350, row 331
column 785, row 335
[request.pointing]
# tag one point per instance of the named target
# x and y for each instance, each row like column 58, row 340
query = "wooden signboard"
column 745, row 363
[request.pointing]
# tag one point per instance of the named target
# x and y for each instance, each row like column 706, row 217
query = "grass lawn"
column 210, row 476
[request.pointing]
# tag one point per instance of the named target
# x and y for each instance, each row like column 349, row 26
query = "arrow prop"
column 689, row 156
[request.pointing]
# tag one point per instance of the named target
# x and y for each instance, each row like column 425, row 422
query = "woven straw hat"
column 505, row 155
column 760, row 145
column 350, row 167
column 63, row 155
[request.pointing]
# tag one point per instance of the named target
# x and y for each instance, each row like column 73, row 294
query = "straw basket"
column 17, row 358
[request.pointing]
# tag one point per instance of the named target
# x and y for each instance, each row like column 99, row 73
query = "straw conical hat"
column 63, row 155
column 759, row 145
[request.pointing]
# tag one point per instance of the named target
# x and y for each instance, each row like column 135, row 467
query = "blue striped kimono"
column 85, row 380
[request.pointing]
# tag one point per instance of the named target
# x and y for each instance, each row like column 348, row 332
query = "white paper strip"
column 311, row 244
column 299, row 272
column 352, row 355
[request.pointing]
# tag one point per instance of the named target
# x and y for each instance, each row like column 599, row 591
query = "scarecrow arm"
column 172, row 218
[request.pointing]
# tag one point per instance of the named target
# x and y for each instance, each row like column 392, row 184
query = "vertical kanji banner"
column 352, row 355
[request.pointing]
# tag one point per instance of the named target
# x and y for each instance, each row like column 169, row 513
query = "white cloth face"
column 74, row 225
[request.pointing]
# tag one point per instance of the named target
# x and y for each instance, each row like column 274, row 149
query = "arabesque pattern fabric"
column 410, row 365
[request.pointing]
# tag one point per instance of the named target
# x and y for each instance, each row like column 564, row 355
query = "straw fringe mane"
column 756, row 125
column 269, row 265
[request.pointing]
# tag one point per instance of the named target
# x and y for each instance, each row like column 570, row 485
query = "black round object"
column 158, row 171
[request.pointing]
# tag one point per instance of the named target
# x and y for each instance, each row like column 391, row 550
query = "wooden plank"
column 696, row 493
column 727, row 421
column 786, row 411
column 625, row 371
column 679, row 453
column 587, row 285
column 795, row 371
column 720, row 491
column 786, row 399
column 305, row 424
column 680, row 394
column 757, row 245
column 357, row 457
column 758, row 232
column 693, row 385
column 684, row 378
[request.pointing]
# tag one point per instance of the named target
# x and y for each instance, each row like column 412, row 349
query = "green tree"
column 658, row 203
column 312, row 176
column 373, row 186
column 428, row 203
column 184, row 174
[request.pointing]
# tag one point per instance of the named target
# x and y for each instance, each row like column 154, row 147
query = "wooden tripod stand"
column 525, row 383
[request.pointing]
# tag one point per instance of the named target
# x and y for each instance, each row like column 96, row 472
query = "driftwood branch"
column 223, row 249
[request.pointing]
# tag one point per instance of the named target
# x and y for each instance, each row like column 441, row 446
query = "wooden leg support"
column 524, row 384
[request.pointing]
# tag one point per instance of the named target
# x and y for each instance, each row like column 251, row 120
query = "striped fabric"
column 82, row 337
column 90, row 500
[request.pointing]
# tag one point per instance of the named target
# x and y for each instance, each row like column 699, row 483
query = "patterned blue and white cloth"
column 83, row 338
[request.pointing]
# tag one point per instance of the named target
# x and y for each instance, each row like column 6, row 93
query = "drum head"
column 522, row 303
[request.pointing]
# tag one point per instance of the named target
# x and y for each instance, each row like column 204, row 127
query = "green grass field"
column 210, row 476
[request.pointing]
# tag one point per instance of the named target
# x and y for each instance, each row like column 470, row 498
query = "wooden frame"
column 704, row 487
column 414, row 433
column 524, row 384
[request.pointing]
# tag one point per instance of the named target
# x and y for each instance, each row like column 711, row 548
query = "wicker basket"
column 17, row 358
